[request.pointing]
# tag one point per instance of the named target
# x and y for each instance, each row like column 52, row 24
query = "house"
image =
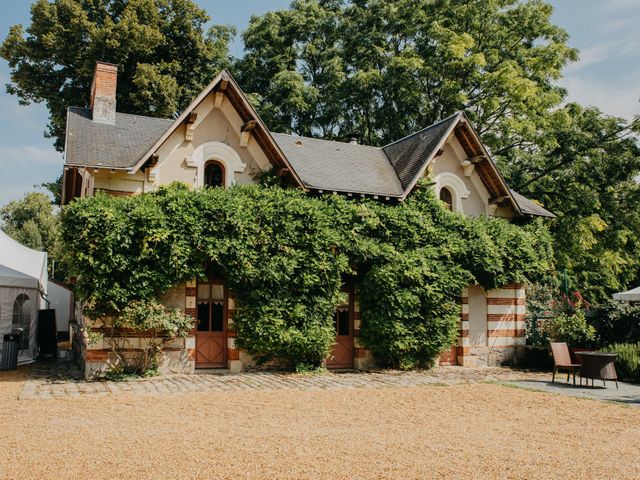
column 219, row 141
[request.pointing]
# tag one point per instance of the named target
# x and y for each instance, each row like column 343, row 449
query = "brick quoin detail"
column 96, row 355
column 511, row 332
column 359, row 352
column 190, row 291
column 506, row 317
column 506, row 301
column 233, row 354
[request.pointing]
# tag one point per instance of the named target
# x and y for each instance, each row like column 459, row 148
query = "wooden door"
column 342, row 353
column 211, row 329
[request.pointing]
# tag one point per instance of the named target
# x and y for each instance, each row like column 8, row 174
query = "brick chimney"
column 103, row 93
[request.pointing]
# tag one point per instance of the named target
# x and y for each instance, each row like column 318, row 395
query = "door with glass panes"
column 342, row 353
column 211, row 329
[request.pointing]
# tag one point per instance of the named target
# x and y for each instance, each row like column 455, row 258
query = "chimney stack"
column 103, row 93
column 352, row 138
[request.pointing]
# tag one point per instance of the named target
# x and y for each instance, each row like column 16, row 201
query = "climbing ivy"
column 286, row 255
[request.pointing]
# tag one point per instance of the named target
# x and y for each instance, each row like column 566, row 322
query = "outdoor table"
column 598, row 365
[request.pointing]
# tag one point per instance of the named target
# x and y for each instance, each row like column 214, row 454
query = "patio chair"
column 562, row 361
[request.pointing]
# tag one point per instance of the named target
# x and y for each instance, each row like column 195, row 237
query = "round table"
column 598, row 365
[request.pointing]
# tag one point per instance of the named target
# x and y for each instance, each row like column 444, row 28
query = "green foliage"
column 386, row 68
column 164, row 53
column 571, row 328
column 34, row 223
column 616, row 322
column 151, row 320
column 628, row 360
column 286, row 256
column 585, row 170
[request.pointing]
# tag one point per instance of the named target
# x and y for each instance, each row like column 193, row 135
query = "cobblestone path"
column 63, row 379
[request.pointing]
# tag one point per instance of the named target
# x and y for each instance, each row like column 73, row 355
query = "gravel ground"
column 458, row 431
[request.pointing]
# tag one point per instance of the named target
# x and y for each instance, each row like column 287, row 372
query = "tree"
column 33, row 222
column 586, row 172
column 386, row 68
column 164, row 54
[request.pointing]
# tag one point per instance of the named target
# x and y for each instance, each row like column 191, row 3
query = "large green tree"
column 385, row 68
column 586, row 170
column 34, row 222
column 164, row 53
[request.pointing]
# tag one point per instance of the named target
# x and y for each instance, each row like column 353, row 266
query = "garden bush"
column 286, row 255
column 570, row 328
column 616, row 322
column 628, row 360
column 149, row 319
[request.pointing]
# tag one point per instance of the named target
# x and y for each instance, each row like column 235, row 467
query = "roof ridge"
column 458, row 113
column 86, row 109
column 327, row 140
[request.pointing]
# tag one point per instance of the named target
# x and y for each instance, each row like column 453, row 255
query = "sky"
column 607, row 76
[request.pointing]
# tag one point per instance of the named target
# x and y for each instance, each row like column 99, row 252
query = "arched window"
column 22, row 319
column 214, row 175
column 447, row 197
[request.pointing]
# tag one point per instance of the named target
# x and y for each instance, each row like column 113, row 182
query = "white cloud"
column 615, row 96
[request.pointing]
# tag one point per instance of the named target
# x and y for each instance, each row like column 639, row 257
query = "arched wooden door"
column 211, row 328
column 342, row 354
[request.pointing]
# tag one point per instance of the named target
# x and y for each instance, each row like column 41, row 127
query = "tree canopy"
column 165, row 55
column 386, row 68
column 33, row 222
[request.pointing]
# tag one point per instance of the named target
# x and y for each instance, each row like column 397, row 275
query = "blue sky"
column 608, row 76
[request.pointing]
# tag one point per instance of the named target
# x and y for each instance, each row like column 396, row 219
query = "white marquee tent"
column 23, row 287
column 632, row 295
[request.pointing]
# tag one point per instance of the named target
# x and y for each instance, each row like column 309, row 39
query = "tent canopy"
column 24, row 261
column 629, row 296
column 23, row 283
column 12, row 278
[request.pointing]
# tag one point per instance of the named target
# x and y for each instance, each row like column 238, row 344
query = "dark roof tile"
column 120, row 145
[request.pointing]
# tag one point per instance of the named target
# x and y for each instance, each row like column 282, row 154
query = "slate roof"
column 529, row 207
column 409, row 154
column 338, row 166
column 103, row 145
column 321, row 164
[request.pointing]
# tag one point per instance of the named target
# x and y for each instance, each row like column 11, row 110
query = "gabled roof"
column 118, row 145
column 391, row 171
column 529, row 207
column 225, row 82
column 340, row 167
column 410, row 154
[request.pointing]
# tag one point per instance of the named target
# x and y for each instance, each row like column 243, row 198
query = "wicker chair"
column 562, row 361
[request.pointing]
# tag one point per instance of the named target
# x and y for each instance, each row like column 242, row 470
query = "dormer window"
column 214, row 175
column 447, row 198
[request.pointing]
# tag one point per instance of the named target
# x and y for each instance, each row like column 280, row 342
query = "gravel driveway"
column 456, row 431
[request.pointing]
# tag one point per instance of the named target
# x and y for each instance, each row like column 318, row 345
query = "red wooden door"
column 342, row 354
column 211, row 329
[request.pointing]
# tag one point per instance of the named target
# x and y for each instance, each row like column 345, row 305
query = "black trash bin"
column 10, row 344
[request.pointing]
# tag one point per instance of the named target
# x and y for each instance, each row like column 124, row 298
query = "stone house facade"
column 219, row 140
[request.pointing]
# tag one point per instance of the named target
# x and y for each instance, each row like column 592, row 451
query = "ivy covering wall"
column 286, row 255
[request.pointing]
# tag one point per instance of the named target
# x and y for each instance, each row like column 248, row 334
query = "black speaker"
column 47, row 333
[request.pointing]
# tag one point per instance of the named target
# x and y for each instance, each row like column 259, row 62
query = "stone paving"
column 63, row 379
column 627, row 393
